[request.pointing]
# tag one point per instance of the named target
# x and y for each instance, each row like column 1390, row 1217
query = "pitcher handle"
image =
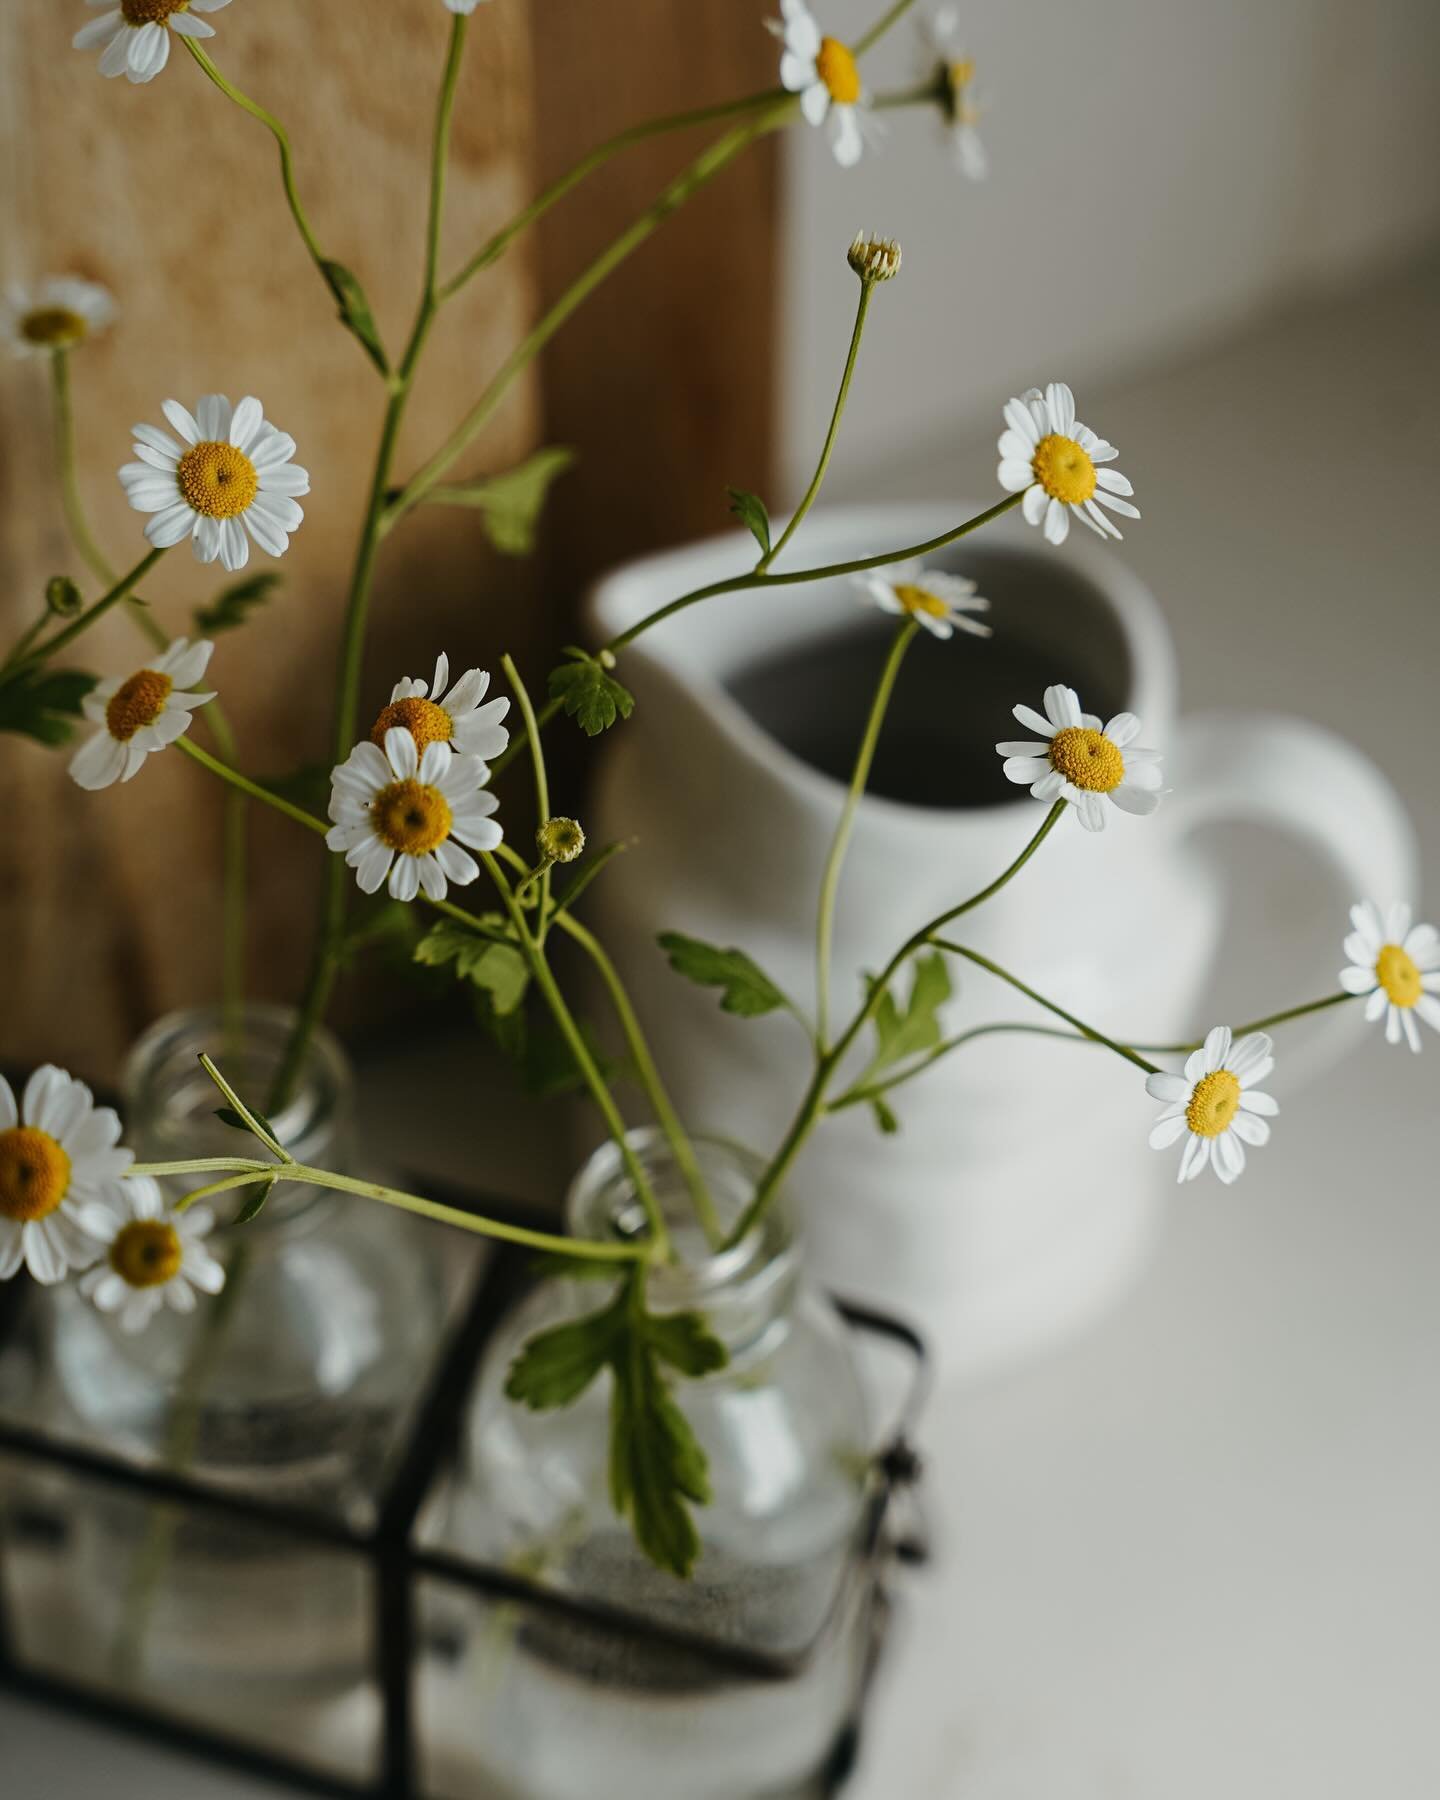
column 1307, row 782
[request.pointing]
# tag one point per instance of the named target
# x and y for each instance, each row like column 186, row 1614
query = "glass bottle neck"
column 745, row 1292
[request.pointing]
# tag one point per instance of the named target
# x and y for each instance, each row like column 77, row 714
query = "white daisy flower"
column 1398, row 965
column 58, row 1151
column 136, row 34
column 938, row 601
column 405, row 814
column 59, row 313
column 140, row 713
column 153, row 1257
column 1046, row 453
column 1216, row 1103
column 826, row 76
column 232, row 471
column 955, row 80
column 431, row 715
column 1081, row 761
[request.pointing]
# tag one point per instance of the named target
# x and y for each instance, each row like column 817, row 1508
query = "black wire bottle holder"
column 398, row 1564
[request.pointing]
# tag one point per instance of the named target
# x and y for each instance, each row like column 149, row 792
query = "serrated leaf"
column 656, row 1464
column 748, row 990
column 42, row 703
column 884, row 1117
column 556, row 1366
column 590, row 695
column 232, row 605
column 355, row 311
column 512, row 502
column 899, row 1035
column 498, row 969
column 750, row 510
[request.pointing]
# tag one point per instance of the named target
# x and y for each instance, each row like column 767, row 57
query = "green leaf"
column 227, row 1115
column 590, row 695
column 41, row 704
column 551, row 1265
column 656, row 1462
column 254, row 1202
column 750, row 510
column 511, row 503
column 232, row 605
column 898, row 1034
column 556, row 1366
column 748, row 990
column 355, row 311
column 499, row 969
column 884, row 1118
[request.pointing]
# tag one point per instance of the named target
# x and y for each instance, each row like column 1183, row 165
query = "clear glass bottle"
column 784, row 1429
column 293, row 1384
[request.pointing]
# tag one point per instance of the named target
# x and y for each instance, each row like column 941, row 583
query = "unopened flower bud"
column 874, row 259
column 63, row 597
column 560, row 840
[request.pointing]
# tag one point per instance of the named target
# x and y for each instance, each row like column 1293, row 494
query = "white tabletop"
column 1194, row 1553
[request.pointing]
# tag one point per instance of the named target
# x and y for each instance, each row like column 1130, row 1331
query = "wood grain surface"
column 109, row 903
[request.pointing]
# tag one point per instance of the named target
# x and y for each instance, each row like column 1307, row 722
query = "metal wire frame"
column 398, row 1564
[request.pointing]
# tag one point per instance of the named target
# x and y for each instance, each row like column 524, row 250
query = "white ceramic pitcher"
column 1019, row 1197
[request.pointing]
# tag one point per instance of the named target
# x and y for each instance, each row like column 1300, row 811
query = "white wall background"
column 1160, row 171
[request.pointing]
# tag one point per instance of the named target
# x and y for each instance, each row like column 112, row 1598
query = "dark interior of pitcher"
column 953, row 700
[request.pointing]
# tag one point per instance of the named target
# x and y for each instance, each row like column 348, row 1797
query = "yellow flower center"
column 217, row 479
column 962, row 72
column 836, row 66
column 921, row 600
column 34, row 1173
column 150, row 12
column 146, row 1253
column 53, row 327
column 137, row 702
column 1087, row 758
column 1398, row 974
column 411, row 817
column 1214, row 1104
column 426, row 722
column 1063, row 469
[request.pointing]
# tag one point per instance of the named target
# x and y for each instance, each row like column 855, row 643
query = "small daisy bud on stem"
column 560, row 840
column 63, row 597
column 874, row 259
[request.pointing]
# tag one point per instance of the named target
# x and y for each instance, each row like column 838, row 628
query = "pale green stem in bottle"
column 830, row 884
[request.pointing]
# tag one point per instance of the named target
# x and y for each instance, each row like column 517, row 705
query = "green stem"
column 1087, row 1031
column 813, row 1104
column 650, row 1079
column 91, row 616
column 881, row 26
column 860, row 1096
column 817, row 479
column 282, row 140
column 244, row 1170
column 704, row 169
column 735, row 584
column 543, row 978
column 75, row 521
column 830, row 884
column 253, row 788
column 495, row 247
column 232, row 931
column 542, row 789
column 330, row 937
